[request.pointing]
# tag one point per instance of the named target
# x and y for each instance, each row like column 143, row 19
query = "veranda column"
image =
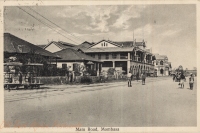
column 128, row 63
column 97, row 69
column 113, row 64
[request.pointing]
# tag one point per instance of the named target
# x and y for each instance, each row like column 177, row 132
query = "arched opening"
column 161, row 71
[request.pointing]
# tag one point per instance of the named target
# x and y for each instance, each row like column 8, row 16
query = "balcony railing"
column 123, row 57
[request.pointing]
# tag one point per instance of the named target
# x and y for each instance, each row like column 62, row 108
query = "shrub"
column 111, row 71
column 86, row 79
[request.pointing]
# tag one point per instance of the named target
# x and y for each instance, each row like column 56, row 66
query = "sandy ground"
column 158, row 103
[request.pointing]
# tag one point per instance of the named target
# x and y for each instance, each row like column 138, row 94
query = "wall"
column 59, row 64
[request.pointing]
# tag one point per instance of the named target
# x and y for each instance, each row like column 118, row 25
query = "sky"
column 167, row 29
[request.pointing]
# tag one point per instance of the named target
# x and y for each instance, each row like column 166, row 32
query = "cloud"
column 170, row 32
column 143, row 32
column 97, row 16
column 127, row 14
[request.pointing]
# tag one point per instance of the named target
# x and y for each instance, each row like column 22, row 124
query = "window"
column 102, row 44
column 107, row 56
column 106, row 44
column 99, row 56
column 64, row 66
column 161, row 62
column 114, row 55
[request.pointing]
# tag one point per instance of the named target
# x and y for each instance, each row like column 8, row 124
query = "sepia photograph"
column 99, row 67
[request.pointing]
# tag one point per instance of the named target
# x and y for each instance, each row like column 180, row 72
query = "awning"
column 33, row 64
column 13, row 64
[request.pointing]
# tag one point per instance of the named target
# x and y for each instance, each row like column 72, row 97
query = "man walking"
column 129, row 75
column 182, row 80
column 143, row 78
column 137, row 76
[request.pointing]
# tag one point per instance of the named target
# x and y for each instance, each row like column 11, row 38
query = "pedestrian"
column 20, row 77
column 105, row 76
column 191, row 81
column 174, row 76
column 137, row 76
column 143, row 78
column 182, row 78
column 129, row 75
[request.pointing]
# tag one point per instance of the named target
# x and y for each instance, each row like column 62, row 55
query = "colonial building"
column 162, row 66
column 72, row 56
column 125, row 56
column 73, row 59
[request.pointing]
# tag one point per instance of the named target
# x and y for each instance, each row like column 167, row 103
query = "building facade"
column 162, row 66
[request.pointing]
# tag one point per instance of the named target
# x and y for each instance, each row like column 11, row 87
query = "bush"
column 86, row 79
column 111, row 71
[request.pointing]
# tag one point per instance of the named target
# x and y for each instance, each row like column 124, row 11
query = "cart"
column 31, row 80
column 11, row 78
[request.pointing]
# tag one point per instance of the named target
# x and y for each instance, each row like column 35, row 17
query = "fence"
column 78, row 79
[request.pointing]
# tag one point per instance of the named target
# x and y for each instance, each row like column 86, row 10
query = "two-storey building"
column 162, row 65
column 126, row 56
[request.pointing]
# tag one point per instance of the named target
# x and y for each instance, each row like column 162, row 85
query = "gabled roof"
column 105, row 41
column 60, row 45
column 67, row 44
column 41, row 46
column 85, row 45
column 13, row 44
column 70, row 54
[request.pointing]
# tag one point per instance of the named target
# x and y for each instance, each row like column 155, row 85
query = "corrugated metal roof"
column 67, row 44
column 70, row 54
column 13, row 44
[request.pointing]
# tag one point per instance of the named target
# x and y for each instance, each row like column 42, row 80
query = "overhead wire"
column 55, row 24
column 50, row 26
column 47, row 25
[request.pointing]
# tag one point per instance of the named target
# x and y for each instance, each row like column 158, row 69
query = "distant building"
column 162, row 65
column 54, row 46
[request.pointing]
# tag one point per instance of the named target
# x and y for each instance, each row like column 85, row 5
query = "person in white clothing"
column 129, row 75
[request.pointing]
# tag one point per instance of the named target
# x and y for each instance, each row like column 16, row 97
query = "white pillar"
column 113, row 64
column 135, row 56
column 151, row 59
column 128, row 63
column 97, row 69
column 145, row 57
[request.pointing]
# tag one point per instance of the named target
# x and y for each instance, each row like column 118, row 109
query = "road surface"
column 158, row 103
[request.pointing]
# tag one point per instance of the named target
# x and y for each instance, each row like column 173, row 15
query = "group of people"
column 180, row 77
column 130, row 76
